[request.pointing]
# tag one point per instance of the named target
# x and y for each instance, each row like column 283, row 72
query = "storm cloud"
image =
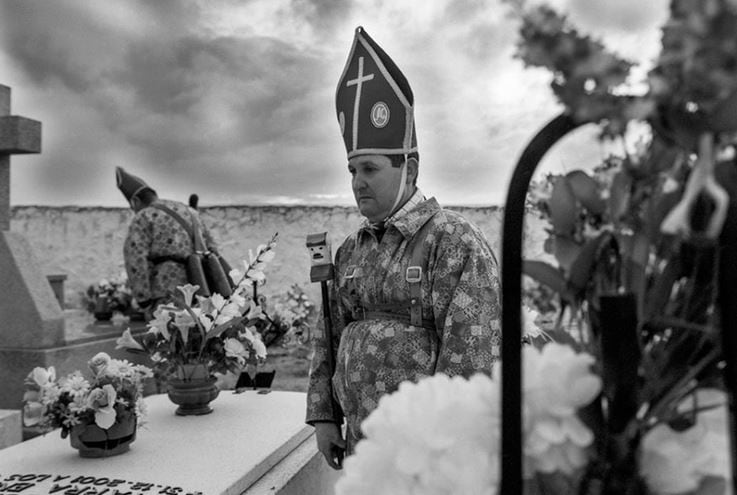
column 234, row 100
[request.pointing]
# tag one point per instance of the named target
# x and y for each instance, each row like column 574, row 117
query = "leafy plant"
column 640, row 245
column 217, row 332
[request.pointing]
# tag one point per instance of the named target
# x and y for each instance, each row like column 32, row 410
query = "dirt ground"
column 292, row 365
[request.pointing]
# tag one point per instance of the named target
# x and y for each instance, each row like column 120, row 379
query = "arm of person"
column 467, row 303
column 136, row 249
column 330, row 443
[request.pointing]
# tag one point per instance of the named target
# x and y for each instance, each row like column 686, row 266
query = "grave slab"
column 247, row 436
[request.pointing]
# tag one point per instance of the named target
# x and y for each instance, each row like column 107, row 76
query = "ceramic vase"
column 192, row 388
column 102, row 311
column 92, row 441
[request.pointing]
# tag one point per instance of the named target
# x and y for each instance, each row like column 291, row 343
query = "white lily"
column 126, row 341
column 188, row 291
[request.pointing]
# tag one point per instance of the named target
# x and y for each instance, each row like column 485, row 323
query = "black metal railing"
column 512, row 233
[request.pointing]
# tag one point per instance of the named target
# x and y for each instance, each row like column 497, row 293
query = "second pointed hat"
column 374, row 102
column 129, row 184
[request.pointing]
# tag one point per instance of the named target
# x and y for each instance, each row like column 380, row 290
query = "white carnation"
column 441, row 436
column 678, row 461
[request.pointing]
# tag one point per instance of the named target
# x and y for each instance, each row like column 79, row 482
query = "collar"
column 410, row 217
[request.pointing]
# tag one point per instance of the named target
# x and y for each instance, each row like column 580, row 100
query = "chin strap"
column 402, row 188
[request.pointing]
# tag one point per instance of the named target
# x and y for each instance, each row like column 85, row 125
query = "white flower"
column 670, row 185
column 159, row 323
column 255, row 275
column 224, row 310
column 259, row 348
column 78, row 404
column 120, row 367
column 530, row 327
column 99, row 362
column 432, row 437
column 235, row 348
column 557, row 383
column 255, row 340
column 34, row 411
column 126, row 341
column 51, row 394
column 76, row 385
column 677, row 461
column 235, row 275
column 183, row 321
column 43, row 376
column 188, row 291
column 102, row 400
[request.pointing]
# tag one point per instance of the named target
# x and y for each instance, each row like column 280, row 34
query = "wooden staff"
column 321, row 271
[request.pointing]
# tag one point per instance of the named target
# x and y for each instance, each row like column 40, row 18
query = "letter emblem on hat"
column 379, row 114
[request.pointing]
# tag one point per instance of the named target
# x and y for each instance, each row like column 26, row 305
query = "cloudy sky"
column 234, row 99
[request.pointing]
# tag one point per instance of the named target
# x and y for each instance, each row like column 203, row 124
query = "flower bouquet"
column 99, row 414
column 107, row 296
column 196, row 338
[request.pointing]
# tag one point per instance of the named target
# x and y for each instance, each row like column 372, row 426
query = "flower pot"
column 137, row 315
column 92, row 441
column 102, row 311
column 192, row 388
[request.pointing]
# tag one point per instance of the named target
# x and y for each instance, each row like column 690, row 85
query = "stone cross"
column 18, row 135
column 30, row 315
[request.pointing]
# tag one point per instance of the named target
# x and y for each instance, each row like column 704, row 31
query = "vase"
column 92, row 441
column 102, row 311
column 192, row 388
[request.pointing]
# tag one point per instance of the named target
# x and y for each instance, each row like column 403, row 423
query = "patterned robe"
column 154, row 234
column 460, row 294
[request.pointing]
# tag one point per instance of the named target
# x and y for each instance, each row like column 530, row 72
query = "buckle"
column 414, row 274
column 350, row 272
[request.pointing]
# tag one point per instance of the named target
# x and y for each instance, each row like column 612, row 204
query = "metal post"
column 514, row 213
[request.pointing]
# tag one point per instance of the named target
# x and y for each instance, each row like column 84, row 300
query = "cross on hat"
column 18, row 135
column 358, row 81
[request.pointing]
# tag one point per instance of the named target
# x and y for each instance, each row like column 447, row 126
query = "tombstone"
column 251, row 444
column 33, row 327
column 29, row 311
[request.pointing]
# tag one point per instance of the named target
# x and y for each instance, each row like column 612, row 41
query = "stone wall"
column 85, row 243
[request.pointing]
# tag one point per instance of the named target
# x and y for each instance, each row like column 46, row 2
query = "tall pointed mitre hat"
column 374, row 102
column 129, row 184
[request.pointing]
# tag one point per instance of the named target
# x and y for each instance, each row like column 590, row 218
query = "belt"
column 389, row 315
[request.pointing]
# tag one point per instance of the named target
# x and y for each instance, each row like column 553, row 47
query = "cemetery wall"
column 86, row 243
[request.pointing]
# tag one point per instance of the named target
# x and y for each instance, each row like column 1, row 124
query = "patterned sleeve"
column 136, row 250
column 320, row 403
column 466, row 300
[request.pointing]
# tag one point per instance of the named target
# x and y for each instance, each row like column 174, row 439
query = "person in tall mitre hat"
column 158, row 242
column 416, row 287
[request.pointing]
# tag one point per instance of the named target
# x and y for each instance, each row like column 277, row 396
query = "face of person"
column 375, row 184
